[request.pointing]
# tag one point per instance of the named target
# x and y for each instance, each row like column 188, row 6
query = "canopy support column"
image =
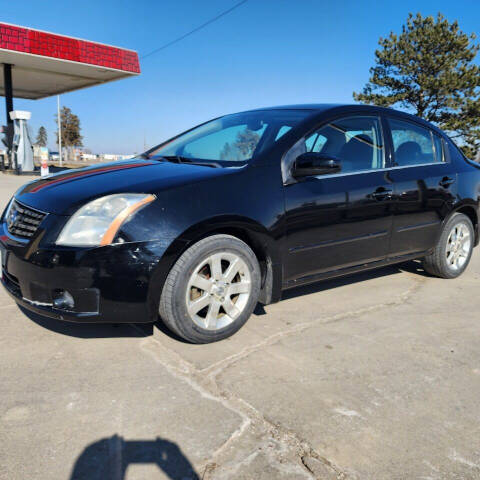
column 7, row 78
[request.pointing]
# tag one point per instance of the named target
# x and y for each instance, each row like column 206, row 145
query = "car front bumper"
column 111, row 284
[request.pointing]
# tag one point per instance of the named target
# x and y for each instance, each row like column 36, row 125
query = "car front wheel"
column 212, row 289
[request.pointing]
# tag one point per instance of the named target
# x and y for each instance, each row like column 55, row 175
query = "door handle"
column 382, row 193
column 445, row 182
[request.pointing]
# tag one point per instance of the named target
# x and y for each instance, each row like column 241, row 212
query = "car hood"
column 63, row 193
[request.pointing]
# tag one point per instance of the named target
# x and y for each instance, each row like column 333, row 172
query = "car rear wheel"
column 212, row 289
column 453, row 250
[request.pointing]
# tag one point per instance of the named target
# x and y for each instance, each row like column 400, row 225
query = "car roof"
column 319, row 108
column 315, row 107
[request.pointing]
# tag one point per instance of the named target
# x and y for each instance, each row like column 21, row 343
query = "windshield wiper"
column 191, row 161
column 174, row 158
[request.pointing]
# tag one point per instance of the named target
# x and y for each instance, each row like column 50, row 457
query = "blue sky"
column 266, row 52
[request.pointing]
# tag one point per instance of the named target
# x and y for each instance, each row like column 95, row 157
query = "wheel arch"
column 471, row 211
column 255, row 235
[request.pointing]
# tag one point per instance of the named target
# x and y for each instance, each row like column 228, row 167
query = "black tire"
column 436, row 263
column 173, row 304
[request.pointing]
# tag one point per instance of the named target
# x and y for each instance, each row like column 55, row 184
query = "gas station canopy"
column 39, row 64
column 45, row 64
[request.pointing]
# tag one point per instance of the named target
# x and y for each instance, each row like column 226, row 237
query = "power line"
column 214, row 19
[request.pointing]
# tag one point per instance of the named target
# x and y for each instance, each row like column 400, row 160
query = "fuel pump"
column 7, row 133
column 22, row 149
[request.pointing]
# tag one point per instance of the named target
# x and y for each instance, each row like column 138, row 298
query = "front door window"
column 356, row 141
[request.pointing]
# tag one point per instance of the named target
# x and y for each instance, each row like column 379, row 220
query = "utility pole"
column 59, row 122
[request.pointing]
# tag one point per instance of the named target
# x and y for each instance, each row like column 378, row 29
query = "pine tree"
column 42, row 137
column 428, row 70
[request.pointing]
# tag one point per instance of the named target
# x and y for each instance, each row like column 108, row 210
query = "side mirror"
column 312, row 163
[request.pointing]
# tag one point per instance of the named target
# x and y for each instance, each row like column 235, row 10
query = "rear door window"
column 414, row 144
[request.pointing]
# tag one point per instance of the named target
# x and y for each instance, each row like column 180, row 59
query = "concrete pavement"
column 375, row 376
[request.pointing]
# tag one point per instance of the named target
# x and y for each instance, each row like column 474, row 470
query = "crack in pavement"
column 286, row 443
column 215, row 369
column 251, row 417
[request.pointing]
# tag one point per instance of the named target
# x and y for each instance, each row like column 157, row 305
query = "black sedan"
column 230, row 213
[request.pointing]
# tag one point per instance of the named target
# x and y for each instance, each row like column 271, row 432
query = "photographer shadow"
column 109, row 459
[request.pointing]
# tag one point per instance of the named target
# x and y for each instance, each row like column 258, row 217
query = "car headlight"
column 97, row 222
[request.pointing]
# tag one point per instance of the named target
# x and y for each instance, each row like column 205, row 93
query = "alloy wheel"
column 458, row 247
column 218, row 290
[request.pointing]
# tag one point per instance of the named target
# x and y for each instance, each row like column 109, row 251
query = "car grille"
column 23, row 221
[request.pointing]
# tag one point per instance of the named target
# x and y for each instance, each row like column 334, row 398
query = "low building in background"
column 113, row 157
column 74, row 157
column 89, row 157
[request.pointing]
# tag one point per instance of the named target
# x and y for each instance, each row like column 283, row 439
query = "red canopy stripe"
column 27, row 40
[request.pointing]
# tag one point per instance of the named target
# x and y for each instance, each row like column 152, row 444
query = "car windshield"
column 232, row 138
